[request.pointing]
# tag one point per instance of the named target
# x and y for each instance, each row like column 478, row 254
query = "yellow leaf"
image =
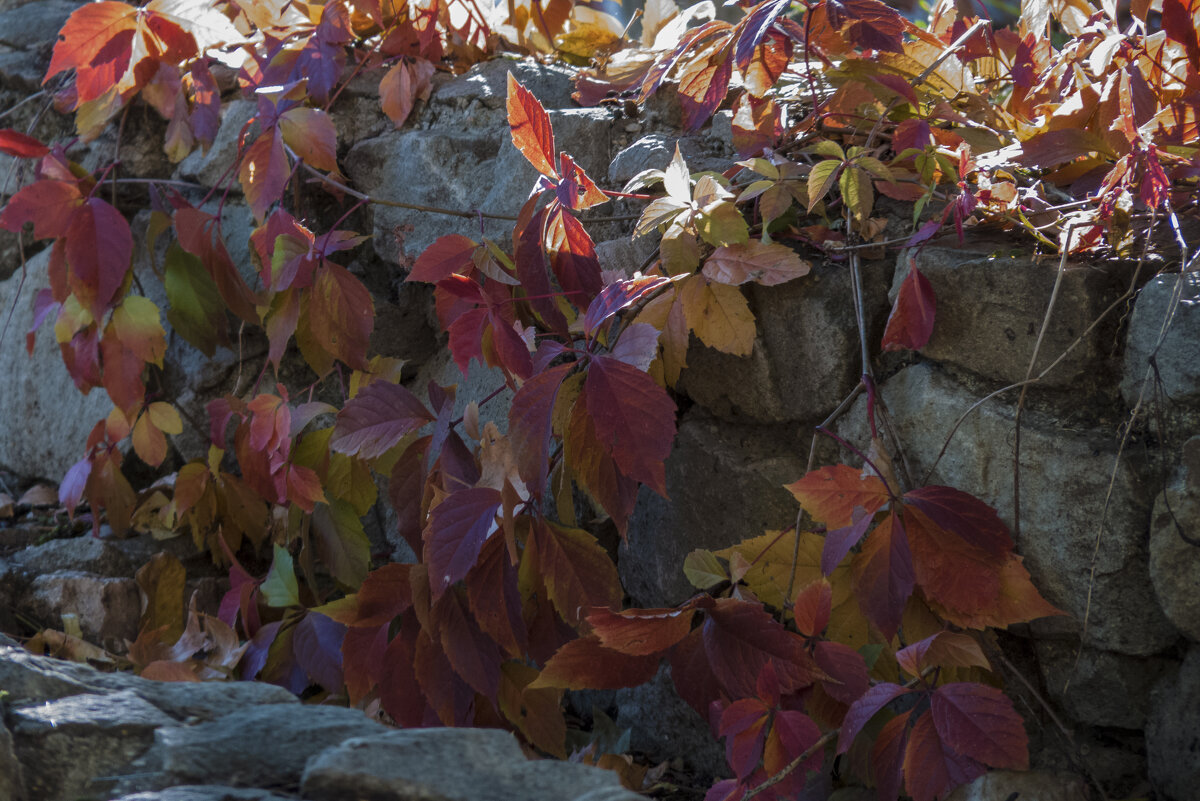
column 719, row 315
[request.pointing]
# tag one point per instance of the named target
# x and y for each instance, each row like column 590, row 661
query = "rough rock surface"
column 1167, row 307
column 1000, row 785
column 411, row 765
column 69, row 732
column 1173, row 732
column 1175, row 545
column 107, row 608
column 55, row 418
column 1059, row 529
column 991, row 299
column 1100, row 688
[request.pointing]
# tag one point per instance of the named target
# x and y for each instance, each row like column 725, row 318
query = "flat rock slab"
column 200, row 792
column 451, row 765
column 70, row 748
column 28, row 678
column 263, row 746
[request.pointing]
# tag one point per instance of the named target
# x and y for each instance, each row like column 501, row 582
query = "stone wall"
column 1109, row 478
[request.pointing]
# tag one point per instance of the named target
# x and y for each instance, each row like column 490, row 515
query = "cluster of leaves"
column 875, row 610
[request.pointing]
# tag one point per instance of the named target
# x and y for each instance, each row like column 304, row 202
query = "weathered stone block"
column 108, row 608
column 46, row 419
column 11, row 784
column 262, row 746
column 1167, row 307
column 488, row 766
column 806, row 357
column 991, row 299
column 1065, row 477
column 73, row 747
column 86, row 554
column 1173, row 732
column 1100, row 688
column 1174, row 561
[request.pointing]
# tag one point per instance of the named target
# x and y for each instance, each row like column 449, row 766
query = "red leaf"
column 311, row 134
column 792, row 734
column 342, row 315
column 883, row 575
column 448, row 255
column 363, row 651
column 473, row 655
column 846, row 666
column 99, row 248
column 531, row 131
column 979, row 722
column 400, row 694
column 595, row 469
column 529, row 424
column 198, row 234
column 965, row 515
column 49, row 205
column 384, row 595
column 573, row 258
column 887, row 756
column 617, row 297
column 641, row 632
column 1179, row 23
column 584, row 664
column 578, row 572
column 812, row 608
column 865, row 708
column 741, row 638
column 931, row 770
column 703, row 85
column 831, row 494
column 15, row 143
column 495, row 599
column 304, row 487
column 530, row 257
column 91, row 39
column 122, row 374
column 960, row 577
column 868, row 24
column 458, row 528
column 911, row 322
column 264, row 172
column 692, row 674
column 743, row 724
column 634, row 419
column 576, row 190
column 402, row 86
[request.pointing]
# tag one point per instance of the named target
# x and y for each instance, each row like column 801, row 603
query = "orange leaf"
column 342, row 315
column 311, row 134
column 831, row 494
column 531, row 131
column 585, row 664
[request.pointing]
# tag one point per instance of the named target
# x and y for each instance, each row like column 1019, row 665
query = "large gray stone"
column 487, row 765
column 108, row 608
column 1065, row 482
column 487, row 84
column 464, row 168
column 35, row 24
column 991, row 299
column 28, row 678
column 11, row 786
column 46, row 419
column 1167, row 307
column 1173, row 732
column 261, row 746
column 217, row 164
column 74, row 747
column 1174, row 561
column 200, row 792
column 725, row 484
column 654, row 151
column 1100, row 688
column 806, row 357
column 86, row 554
column 1035, row 785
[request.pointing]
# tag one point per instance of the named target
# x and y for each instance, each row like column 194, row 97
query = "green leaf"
column 829, row 149
column 196, row 311
column 341, row 543
column 704, row 570
column 820, row 180
column 280, row 588
column 857, row 192
column 722, row 224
